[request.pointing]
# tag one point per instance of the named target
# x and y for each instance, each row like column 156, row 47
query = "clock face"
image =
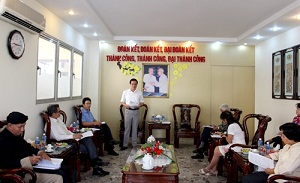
column 16, row 44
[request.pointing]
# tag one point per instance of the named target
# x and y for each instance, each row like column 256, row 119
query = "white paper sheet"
column 54, row 164
column 260, row 161
column 215, row 136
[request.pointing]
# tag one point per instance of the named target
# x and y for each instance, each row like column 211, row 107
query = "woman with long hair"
column 234, row 135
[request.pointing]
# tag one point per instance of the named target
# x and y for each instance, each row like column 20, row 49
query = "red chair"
column 77, row 155
column 236, row 160
column 288, row 178
column 98, row 135
column 17, row 175
column 183, row 126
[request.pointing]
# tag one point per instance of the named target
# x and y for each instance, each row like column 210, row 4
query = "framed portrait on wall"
column 276, row 75
column 156, row 80
column 289, row 73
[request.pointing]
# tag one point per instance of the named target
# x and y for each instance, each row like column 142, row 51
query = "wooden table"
column 214, row 142
column 239, row 160
column 133, row 172
column 66, row 154
column 167, row 127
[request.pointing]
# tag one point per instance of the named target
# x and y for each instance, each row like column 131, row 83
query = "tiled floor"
column 188, row 168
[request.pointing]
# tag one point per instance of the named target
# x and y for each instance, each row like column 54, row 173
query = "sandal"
column 204, row 171
column 215, row 173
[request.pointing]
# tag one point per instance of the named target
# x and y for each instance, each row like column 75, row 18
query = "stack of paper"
column 54, row 164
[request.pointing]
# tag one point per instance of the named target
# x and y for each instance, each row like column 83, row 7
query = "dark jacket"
column 13, row 149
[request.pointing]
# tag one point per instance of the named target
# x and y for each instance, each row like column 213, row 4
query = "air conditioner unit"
column 21, row 15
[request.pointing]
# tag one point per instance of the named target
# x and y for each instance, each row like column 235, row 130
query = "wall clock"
column 16, row 44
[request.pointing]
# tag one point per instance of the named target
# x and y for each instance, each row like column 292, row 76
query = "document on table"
column 95, row 129
column 54, row 164
column 260, row 160
column 207, row 126
column 215, row 136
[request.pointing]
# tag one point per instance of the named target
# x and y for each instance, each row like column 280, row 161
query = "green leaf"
column 139, row 157
column 168, row 157
column 146, row 145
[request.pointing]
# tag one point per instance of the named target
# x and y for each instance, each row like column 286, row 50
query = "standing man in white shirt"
column 163, row 81
column 132, row 100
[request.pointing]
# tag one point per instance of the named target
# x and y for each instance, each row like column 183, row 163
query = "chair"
column 234, row 159
column 291, row 179
column 182, row 128
column 236, row 113
column 98, row 141
column 17, row 175
column 47, row 122
column 141, row 126
column 221, row 141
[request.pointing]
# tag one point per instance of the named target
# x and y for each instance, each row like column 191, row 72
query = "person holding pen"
column 17, row 153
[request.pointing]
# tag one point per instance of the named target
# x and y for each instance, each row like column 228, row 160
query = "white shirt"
column 147, row 79
column 132, row 99
column 162, row 84
column 59, row 130
column 238, row 134
column 288, row 160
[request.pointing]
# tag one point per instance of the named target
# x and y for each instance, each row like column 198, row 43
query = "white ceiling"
column 228, row 21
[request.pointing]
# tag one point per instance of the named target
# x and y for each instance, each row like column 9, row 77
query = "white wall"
column 280, row 110
column 18, row 77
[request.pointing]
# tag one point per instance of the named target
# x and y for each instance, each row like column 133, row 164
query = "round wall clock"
column 16, row 44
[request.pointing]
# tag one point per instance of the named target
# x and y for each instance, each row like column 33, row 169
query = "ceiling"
column 230, row 22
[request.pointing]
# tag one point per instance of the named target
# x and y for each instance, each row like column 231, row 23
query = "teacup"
column 49, row 147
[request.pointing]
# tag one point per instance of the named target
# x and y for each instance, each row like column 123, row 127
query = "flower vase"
column 148, row 162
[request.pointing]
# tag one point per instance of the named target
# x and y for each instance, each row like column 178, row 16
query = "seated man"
column 17, row 153
column 59, row 132
column 205, row 136
column 89, row 121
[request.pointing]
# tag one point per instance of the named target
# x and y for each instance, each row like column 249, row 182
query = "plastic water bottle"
column 162, row 118
column 260, row 145
column 268, row 148
column 37, row 142
column 74, row 124
column 153, row 117
column 44, row 140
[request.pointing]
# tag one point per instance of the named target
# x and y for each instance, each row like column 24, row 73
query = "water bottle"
column 268, row 148
column 44, row 140
column 74, row 124
column 153, row 117
column 162, row 118
column 260, row 145
column 37, row 142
